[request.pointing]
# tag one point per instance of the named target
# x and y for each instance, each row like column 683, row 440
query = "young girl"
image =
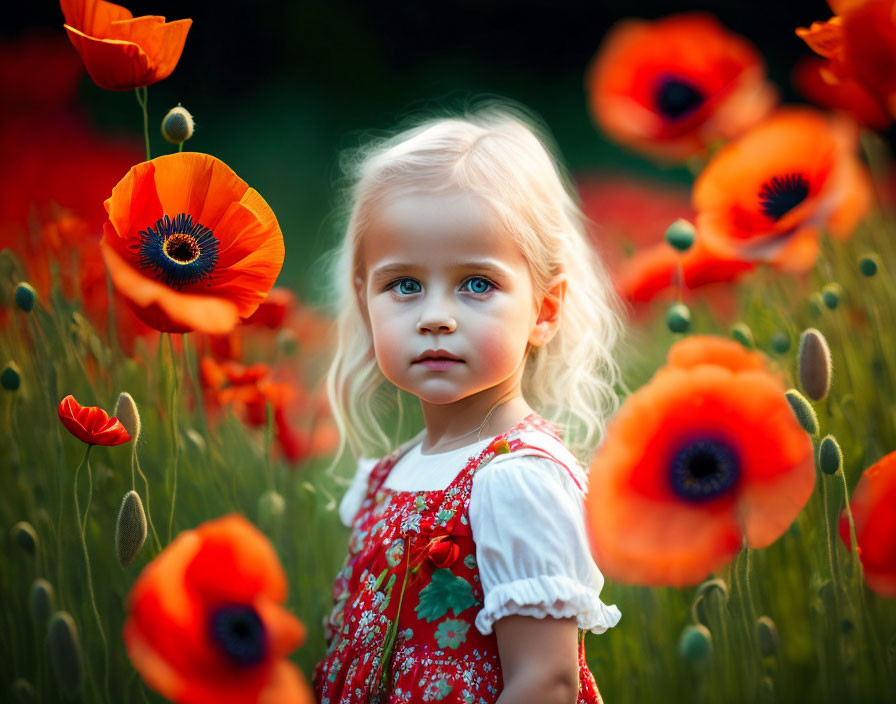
column 466, row 280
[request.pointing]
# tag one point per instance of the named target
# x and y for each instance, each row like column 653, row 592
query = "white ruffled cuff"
column 557, row 596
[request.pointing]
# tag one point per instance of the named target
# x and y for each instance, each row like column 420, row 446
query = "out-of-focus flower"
column 846, row 95
column 52, row 78
column 120, row 51
column 674, row 86
column 765, row 196
column 189, row 244
column 859, row 44
column 206, row 623
column 91, row 424
column 272, row 311
column 704, row 455
column 872, row 509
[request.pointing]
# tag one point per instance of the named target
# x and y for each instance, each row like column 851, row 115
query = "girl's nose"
column 436, row 320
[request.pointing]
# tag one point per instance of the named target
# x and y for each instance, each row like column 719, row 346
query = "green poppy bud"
column 831, row 295
column 678, row 318
column 869, row 264
column 695, row 643
column 41, row 600
column 816, row 304
column 767, row 635
column 830, row 457
column 814, row 364
column 64, row 649
column 11, row 377
column 177, row 125
column 25, row 296
column 126, row 411
column 713, row 585
column 271, row 507
column 26, row 537
column 742, row 333
column 780, row 342
column 803, row 410
column 681, row 235
column 130, row 531
column 21, row 692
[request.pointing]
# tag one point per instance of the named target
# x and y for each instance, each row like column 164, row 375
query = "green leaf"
column 445, row 591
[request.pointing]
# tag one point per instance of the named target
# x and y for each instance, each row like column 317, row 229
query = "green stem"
column 148, row 513
column 192, row 361
column 174, row 437
column 830, row 543
column 89, row 498
column 143, row 100
column 96, row 611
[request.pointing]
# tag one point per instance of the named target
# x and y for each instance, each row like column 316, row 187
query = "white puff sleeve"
column 528, row 521
column 357, row 490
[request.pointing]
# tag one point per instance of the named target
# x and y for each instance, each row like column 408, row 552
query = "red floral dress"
column 405, row 601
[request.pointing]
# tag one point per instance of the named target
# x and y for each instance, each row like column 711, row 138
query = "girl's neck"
column 450, row 427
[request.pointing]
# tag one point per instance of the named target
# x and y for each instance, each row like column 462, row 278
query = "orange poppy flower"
column 189, row 245
column 673, row 86
column 872, row 509
column 704, row 455
column 205, row 620
column 121, row 51
column 860, row 45
column 765, row 196
column 812, row 79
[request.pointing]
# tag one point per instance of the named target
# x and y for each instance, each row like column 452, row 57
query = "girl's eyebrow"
column 479, row 265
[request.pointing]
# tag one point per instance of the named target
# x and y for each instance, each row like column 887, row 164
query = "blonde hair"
column 499, row 153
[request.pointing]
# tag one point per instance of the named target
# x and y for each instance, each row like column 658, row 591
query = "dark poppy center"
column 704, row 469
column 178, row 251
column 781, row 194
column 239, row 632
column 676, row 97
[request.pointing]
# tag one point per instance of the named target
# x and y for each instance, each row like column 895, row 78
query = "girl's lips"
column 439, row 364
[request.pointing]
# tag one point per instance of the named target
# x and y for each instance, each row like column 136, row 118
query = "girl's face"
column 440, row 277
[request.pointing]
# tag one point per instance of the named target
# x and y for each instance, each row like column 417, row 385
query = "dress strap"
column 380, row 471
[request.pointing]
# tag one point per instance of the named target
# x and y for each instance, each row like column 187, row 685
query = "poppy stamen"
column 703, row 470
column 782, row 194
column 676, row 97
column 179, row 251
column 239, row 632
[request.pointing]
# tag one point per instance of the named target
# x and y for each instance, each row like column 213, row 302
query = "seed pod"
column 832, row 294
column 780, row 342
column 25, row 297
column 695, row 643
column 270, row 508
column 742, row 333
column 869, row 264
column 26, row 537
column 126, row 411
column 64, row 650
column 803, row 410
column 814, row 364
column 830, row 457
column 130, row 531
column 678, row 318
column 11, row 377
column 21, row 692
column 767, row 635
column 681, row 234
column 41, row 600
column 177, row 125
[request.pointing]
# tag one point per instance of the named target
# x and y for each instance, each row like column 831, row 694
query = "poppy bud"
column 711, row 585
column 678, row 318
column 10, row 378
column 803, row 410
column 695, row 643
column 767, row 635
column 271, row 506
column 131, row 529
column 64, row 649
column 25, row 296
column 444, row 553
column 26, row 537
column 814, row 364
column 830, row 457
column 869, row 264
column 22, row 692
column 126, row 411
column 780, row 342
column 177, row 125
column 681, row 234
column 742, row 333
column 41, row 600
column 816, row 304
column 502, row 447
column 831, row 295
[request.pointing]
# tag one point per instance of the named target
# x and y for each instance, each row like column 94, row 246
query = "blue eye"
column 479, row 284
column 407, row 286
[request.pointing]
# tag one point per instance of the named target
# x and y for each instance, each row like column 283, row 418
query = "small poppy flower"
column 872, row 509
column 120, row 51
column 273, row 310
column 444, row 552
column 189, row 244
column 91, row 424
column 766, row 196
column 707, row 453
column 205, row 620
column 673, row 86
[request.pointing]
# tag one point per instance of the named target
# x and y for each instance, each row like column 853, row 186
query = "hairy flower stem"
column 143, row 99
column 81, row 532
column 136, row 462
column 174, row 438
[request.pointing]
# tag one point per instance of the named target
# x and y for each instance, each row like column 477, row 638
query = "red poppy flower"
column 91, row 424
column 189, row 245
column 444, row 552
column 206, row 623
column 121, row 51
column 273, row 310
column 673, row 86
column 860, row 45
column 704, row 455
column 765, row 196
column 813, row 80
column 872, row 509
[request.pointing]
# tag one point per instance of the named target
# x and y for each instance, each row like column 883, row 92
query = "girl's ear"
column 548, row 320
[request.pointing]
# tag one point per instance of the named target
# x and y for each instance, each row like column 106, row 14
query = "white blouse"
column 527, row 517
